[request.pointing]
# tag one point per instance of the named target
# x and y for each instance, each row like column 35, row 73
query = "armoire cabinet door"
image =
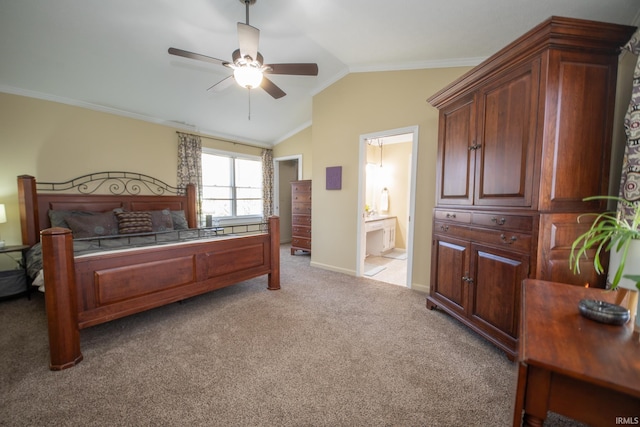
column 455, row 168
column 577, row 149
column 507, row 111
column 495, row 294
column 451, row 262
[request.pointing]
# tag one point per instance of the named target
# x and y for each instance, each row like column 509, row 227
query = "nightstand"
column 23, row 264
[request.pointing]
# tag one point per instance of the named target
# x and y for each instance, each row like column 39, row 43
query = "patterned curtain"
column 630, row 181
column 190, row 165
column 267, row 183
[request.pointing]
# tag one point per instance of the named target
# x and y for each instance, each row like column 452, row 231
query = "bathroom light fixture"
column 378, row 142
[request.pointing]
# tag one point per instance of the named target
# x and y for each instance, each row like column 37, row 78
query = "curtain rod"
column 224, row 140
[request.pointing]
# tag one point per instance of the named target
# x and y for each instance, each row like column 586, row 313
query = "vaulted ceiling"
column 112, row 55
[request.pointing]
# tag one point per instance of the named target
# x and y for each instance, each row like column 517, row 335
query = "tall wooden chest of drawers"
column 300, row 216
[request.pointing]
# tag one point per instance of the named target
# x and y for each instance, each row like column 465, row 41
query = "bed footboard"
column 86, row 291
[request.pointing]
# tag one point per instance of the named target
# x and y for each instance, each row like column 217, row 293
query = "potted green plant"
column 610, row 232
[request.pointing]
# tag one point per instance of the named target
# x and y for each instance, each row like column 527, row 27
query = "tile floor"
column 387, row 269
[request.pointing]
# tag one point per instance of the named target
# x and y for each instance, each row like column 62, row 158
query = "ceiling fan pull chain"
column 249, row 90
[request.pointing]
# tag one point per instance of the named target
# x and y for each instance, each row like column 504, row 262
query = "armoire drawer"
column 520, row 242
column 507, row 239
column 457, row 216
column 442, row 227
column 498, row 220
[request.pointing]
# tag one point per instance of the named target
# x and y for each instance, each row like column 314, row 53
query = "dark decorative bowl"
column 603, row 312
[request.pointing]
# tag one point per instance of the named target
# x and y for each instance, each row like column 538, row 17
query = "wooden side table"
column 572, row 365
column 23, row 252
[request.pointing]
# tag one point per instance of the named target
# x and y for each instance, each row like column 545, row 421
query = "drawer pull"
column 444, row 227
column 508, row 242
column 451, row 215
column 497, row 221
column 467, row 279
column 474, row 147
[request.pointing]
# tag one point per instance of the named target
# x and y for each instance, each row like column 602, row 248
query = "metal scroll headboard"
column 116, row 183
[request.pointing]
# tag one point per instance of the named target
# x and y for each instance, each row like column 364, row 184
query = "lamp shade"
column 3, row 214
column 249, row 77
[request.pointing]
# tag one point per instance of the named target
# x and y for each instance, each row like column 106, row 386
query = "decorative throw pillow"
column 179, row 220
column 161, row 220
column 134, row 222
column 99, row 224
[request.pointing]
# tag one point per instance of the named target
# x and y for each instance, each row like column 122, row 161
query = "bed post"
column 192, row 204
column 60, row 298
column 274, row 242
column 29, row 216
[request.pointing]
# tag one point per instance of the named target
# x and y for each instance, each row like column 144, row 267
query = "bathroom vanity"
column 381, row 234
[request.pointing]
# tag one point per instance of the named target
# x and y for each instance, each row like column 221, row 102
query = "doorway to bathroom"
column 285, row 170
column 386, row 194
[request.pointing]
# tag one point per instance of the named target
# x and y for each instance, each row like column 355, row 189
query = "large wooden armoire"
column 524, row 137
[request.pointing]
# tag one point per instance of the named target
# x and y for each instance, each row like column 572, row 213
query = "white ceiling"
column 112, row 54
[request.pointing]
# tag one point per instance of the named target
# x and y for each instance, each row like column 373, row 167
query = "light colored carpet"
column 326, row 350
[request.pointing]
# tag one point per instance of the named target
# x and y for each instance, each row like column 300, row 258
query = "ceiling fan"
column 248, row 64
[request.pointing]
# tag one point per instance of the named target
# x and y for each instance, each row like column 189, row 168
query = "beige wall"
column 298, row 144
column 364, row 103
column 56, row 142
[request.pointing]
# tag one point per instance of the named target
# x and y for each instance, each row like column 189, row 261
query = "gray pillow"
column 57, row 217
column 162, row 220
column 100, row 224
column 179, row 220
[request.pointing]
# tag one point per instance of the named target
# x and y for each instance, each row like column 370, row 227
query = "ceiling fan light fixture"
column 248, row 64
column 249, row 77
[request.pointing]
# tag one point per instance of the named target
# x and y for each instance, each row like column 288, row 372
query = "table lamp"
column 3, row 219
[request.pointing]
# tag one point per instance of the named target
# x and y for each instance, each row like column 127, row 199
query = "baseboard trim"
column 420, row 287
column 332, row 268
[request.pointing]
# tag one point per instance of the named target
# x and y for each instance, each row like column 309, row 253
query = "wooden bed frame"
column 88, row 290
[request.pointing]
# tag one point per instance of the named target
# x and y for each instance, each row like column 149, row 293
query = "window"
column 231, row 185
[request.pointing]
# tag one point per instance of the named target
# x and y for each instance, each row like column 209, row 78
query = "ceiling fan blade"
column 222, row 84
column 248, row 38
column 191, row 55
column 271, row 88
column 301, row 69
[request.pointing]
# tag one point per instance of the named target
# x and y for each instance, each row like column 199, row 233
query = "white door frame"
column 362, row 238
column 276, row 178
